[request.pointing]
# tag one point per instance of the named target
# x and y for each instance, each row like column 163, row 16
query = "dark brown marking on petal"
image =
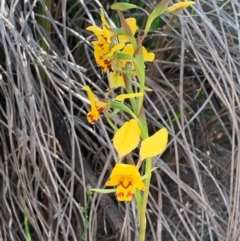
column 120, row 194
column 100, row 109
column 107, row 63
column 91, row 118
column 126, row 187
column 130, row 194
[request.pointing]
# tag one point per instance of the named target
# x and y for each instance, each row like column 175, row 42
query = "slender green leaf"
column 157, row 11
column 103, row 190
column 147, row 175
column 123, row 6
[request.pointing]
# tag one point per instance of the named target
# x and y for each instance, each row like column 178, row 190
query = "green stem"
column 26, row 225
column 27, row 228
column 111, row 124
column 142, row 225
column 148, row 167
column 122, row 107
column 128, row 83
column 140, row 66
column 111, row 115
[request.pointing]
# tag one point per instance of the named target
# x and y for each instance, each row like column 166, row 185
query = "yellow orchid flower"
column 128, row 49
column 101, row 54
column 108, row 43
column 97, row 106
column 126, row 178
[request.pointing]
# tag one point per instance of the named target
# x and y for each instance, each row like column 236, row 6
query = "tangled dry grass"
column 49, row 154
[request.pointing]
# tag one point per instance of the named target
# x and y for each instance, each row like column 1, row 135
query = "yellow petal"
column 179, row 6
column 114, row 180
column 122, row 97
column 101, row 50
column 96, row 30
column 125, row 169
column 138, row 183
column 101, row 47
column 148, row 56
column 106, row 34
column 126, row 138
column 125, row 194
column 104, row 21
column 114, row 49
column 90, row 95
column 132, row 23
column 154, row 145
column 101, row 106
column 93, row 116
column 116, row 80
column 128, row 49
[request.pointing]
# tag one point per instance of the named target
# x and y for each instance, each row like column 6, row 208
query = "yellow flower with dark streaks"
column 108, row 43
column 126, row 178
column 97, row 106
